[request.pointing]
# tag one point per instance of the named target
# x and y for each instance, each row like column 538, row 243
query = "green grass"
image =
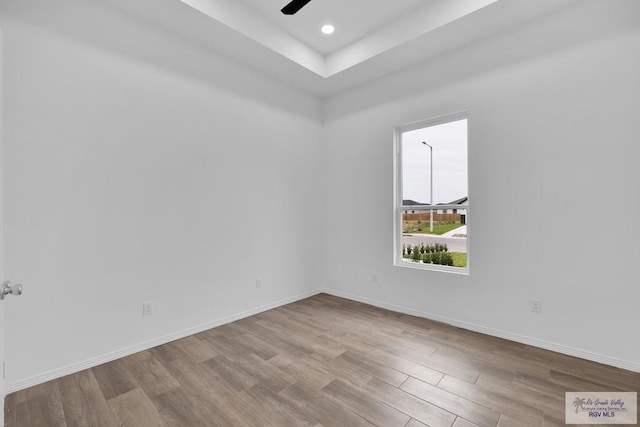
column 459, row 259
column 423, row 228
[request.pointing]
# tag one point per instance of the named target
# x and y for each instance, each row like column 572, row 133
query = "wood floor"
column 322, row 361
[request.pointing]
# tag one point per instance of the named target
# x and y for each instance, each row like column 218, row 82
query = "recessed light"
column 328, row 29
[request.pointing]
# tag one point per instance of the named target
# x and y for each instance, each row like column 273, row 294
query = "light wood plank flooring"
column 323, row 361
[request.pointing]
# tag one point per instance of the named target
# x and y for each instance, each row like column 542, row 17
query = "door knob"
column 6, row 288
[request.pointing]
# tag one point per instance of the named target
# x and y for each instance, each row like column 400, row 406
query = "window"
column 432, row 184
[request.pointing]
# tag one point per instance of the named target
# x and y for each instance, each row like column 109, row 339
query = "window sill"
column 432, row 267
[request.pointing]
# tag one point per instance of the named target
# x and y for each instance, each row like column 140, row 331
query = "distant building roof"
column 460, row 201
column 409, row 202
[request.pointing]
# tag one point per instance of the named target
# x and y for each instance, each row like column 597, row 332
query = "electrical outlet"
column 536, row 305
column 147, row 308
column 374, row 277
column 258, row 283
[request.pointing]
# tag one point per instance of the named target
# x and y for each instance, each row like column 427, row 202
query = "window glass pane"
column 449, row 142
column 434, row 173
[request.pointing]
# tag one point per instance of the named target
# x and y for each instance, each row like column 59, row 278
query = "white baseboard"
column 95, row 361
column 535, row 342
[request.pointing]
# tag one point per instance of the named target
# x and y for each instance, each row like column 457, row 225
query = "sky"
column 449, row 142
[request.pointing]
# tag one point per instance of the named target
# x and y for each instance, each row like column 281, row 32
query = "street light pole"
column 430, row 182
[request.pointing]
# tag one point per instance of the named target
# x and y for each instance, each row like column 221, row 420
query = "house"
column 171, row 166
column 409, row 202
column 460, row 201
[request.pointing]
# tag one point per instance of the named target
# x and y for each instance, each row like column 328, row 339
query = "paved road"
column 455, row 244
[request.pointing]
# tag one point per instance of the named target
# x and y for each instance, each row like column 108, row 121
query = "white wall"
column 553, row 118
column 139, row 166
column 166, row 174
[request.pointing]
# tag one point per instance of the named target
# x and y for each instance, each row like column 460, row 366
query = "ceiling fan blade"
column 294, row 6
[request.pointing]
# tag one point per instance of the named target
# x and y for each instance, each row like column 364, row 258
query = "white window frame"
column 398, row 260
